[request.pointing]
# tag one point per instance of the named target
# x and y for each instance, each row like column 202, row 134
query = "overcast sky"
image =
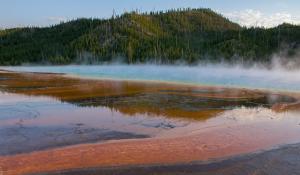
column 268, row 13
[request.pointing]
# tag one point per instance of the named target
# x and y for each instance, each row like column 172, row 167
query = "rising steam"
column 220, row 75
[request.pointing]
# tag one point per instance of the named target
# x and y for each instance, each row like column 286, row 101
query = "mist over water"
column 219, row 75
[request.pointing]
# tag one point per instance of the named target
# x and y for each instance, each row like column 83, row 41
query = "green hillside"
column 188, row 35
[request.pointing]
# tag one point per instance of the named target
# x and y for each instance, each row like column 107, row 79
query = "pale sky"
column 268, row 13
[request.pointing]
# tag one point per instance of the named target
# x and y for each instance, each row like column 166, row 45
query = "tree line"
column 188, row 35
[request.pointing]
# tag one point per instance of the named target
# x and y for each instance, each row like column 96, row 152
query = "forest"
column 166, row 37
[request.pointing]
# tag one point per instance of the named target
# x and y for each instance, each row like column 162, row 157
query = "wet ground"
column 284, row 160
column 68, row 123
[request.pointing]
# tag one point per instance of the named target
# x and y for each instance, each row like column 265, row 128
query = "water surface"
column 42, row 111
column 275, row 79
column 112, row 122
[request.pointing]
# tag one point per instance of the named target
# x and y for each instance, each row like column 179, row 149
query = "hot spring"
column 214, row 75
column 191, row 112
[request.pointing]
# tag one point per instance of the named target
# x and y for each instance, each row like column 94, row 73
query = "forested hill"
column 186, row 35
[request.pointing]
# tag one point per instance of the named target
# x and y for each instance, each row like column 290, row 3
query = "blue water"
column 218, row 75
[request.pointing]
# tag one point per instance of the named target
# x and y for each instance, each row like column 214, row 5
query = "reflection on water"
column 39, row 123
column 40, row 111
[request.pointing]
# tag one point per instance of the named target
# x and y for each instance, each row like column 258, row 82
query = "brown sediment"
column 282, row 107
column 129, row 97
column 276, row 161
column 209, row 144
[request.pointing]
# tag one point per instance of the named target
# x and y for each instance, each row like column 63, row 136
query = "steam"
column 282, row 74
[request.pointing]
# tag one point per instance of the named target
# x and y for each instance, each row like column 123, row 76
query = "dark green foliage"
column 188, row 35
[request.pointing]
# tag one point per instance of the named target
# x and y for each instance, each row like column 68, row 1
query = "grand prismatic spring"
column 88, row 119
